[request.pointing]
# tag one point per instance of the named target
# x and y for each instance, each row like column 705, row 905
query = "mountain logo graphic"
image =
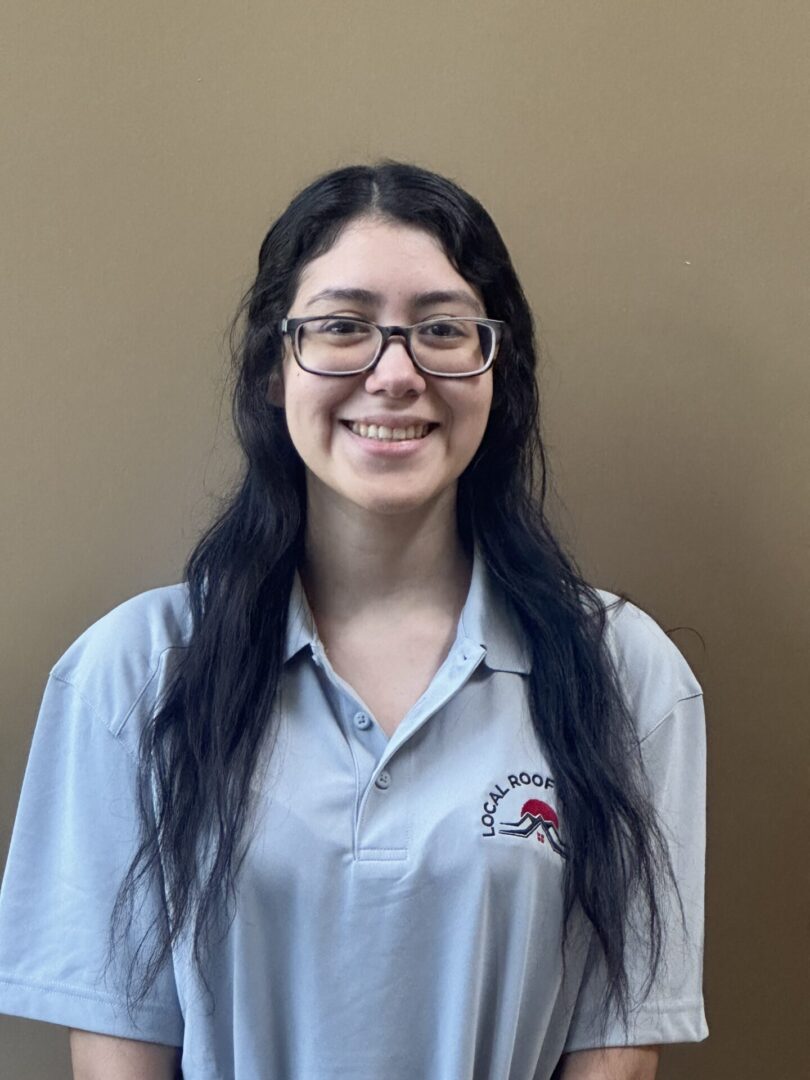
column 537, row 818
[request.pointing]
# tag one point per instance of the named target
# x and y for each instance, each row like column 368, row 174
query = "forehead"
column 383, row 257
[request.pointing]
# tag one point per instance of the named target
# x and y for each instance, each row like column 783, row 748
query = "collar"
column 487, row 620
column 301, row 629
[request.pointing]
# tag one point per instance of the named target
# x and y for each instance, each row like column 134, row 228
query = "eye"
column 339, row 327
column 444, row 328
column 444, row 331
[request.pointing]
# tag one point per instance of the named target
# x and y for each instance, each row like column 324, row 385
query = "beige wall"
column 647, row 163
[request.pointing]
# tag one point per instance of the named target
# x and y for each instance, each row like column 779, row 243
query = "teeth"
column 387, row 434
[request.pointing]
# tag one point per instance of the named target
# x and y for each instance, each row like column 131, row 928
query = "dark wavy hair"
column 199, row 750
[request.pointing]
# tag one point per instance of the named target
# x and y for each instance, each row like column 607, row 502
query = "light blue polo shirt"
column 399, row 911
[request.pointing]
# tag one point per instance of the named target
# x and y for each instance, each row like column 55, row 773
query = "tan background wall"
column 647, row 163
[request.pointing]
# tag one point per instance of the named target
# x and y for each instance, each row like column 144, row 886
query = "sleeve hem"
column 88, row 1011
column 649, row 1026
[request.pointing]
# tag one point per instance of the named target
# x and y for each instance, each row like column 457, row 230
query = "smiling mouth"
column 389, row 434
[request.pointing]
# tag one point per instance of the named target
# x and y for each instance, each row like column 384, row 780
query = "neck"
column 357, row 560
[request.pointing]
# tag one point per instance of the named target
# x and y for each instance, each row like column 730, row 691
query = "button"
column 362, row 720
column 383, row 781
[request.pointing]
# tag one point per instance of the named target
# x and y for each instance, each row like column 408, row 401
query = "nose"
column 395, row 372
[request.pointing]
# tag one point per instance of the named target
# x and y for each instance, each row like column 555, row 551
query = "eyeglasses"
column 340, row 345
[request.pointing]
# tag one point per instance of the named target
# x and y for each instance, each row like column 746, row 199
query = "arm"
column 104, row 1057
column 614, row 1063
column 75, row 832
column 674, row 759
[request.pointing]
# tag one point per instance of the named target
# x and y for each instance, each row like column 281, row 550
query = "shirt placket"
column 385, row 787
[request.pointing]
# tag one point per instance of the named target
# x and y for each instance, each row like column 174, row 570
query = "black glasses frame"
column 292, row 327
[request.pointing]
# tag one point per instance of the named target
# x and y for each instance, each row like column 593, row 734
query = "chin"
column 391, row 506
column 385, row 496
column 388, row 502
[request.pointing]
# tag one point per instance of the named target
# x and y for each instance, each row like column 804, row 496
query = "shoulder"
column 119, row 665
column 654, row 673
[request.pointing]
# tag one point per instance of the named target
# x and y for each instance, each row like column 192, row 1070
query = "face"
column 396, row 266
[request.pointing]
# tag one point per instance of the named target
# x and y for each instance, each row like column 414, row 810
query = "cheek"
column 475, row 412
column 312, row 408
column 295, row 407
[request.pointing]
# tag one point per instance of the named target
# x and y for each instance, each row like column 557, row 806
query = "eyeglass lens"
column 447, row 346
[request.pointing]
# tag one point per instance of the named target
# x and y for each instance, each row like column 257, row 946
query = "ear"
column 275, row 387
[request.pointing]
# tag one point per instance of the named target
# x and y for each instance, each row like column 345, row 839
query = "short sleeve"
column 674, row 755
column 73, row 839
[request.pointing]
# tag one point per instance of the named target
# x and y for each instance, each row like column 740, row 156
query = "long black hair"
column 199, row 750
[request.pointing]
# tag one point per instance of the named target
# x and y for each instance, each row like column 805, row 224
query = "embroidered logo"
column 532, row 817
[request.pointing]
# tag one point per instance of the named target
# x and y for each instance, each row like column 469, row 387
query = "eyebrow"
column 420, row 300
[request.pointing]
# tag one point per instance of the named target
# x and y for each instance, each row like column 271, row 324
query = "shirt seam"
column 146, row 685
column 384, row 850
column 686, row 1005
column 115, row 733
column 73, row 991
column 668, row 714
column 85, row 700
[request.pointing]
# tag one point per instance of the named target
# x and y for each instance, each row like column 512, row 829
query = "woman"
column 391, row 789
